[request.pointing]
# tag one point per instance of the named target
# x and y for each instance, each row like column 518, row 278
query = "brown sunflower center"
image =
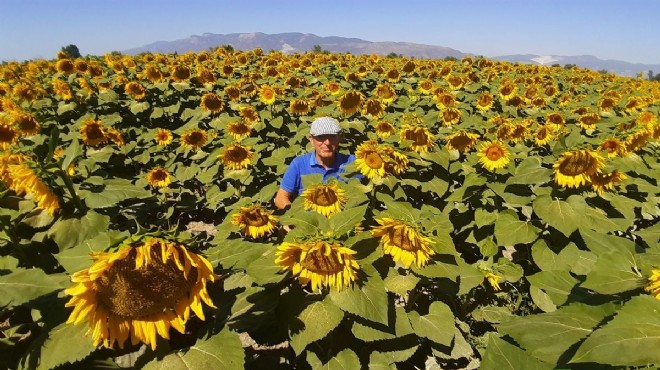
column 195, row 138
column 494, row 153
column 255, row 217
column 400, row 237
column 213, row 102
column 373, row 160
column 237, row 154
column 239, row 128
column 577, row 164
column 7, row 134
column 324, row 197
column 417, row 135
column 460, row 142
column 159, row 175
column 94, row 132
column 319, row 263
column 136, row 293
column 350, row 100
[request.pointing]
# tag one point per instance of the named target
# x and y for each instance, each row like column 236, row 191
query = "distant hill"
column 300, row 42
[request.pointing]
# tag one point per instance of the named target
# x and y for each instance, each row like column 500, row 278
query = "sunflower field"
column 497, row 215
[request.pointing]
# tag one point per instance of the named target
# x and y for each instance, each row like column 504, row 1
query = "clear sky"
column 627, row 30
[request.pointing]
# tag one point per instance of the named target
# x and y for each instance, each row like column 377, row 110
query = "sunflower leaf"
column 344, row 360
column 529, row 171
column 614, row 273
column 509, row 230
column 115, row 191
column 501, row 355
column 563, row 216
column 318, row 319
column 66, row 343
column 438, row 325
column 70, row 232
column 368, row 300
column 22, row 286
column 346, row 220
column 558, row 284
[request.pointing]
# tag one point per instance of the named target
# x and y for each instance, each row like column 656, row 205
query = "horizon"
column 605, row 29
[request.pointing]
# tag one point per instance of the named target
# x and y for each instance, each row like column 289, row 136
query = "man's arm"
column 282, row 199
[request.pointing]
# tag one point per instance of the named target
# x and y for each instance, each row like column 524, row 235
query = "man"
column 325, row 135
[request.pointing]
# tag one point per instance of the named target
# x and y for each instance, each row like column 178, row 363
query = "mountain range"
column 301, row 42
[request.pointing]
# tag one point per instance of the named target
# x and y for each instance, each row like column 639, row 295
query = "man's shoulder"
column 301, row 159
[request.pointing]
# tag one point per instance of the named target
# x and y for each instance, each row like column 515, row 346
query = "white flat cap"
column 325, row 126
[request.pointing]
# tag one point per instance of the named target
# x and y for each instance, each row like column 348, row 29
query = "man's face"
column 325, row 145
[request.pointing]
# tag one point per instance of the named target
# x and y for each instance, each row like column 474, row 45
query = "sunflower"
column 326, row 199
column 456, row 82
column 555, row 119
column 493, row 280
column 321, row 263
column 602, row 181
column 445, row 100
column 350, row 102
column 450, row 116
column 393, row 75
column 194, row 139
column 249, row 114
column 653, row 286
column 233, row 92
column 204, row 76
column 333, row 88
column 461, row 141
column 516, row 101
column 65, row 66
column 647, row 120
column 507, row 90
column 135, row 90
column 637, row 140
column 254, row 221
column 519, row 132
column 369, row 160
column 485, row 101
column 403, row 242
column 396, row 162
column 8, row 134
column 614, row 148
column 588, row 120
column 212, row 103
column 384, row 129
column 299, row 107
column 163, row 136
column 425, row 86
column 543, row 135
column 385, row 93
column 159, row 177
column 239, row 129
column 633, row 104
column 93, row 132
column 140, row 291
column 421, row 137
column 62, row 89
column 606, row 104
column 493, row 155
column 180, row 73
column 236, row 156
column 374, row 108
column 153, row 73
column 115, row 136
column 267, row 95
column 24, row 180
column 575, row 167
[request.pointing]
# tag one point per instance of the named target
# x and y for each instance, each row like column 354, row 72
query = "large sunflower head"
column 248, row 113
column 385, row 93
column 135, row 90
column 374, row 108
column 254, row 221
column 462, row 141
column 267, row 94
column 575, row 167
column 588, row 120
column 23, row 180
column 450, row 116
column 65, row 66
column 62, row 89
column 239, row 129
column 555, row 119
column 350, row 102
column 236, row 156
column 333, row 88
column 194, row 139
column 637, row 140
column 445, row 100
column 396, row 161
column 456, row 81
column 139, row 292
column 299, row 107
column 8, row 134
column 93, row 132
column 212, row 103
column 485, row 101
column 647, row 120
column 233, row 92
column 403, row 242
column 507, row 90
column 321, row 263
column 163, row 136
column 326, row 199
column 159, row 177
column 544, row 134
column 493, row 155
column 421, row 137
column 606, row 181
column 653, row 286
column 384, row 129
column 370, row 160
column 180, row 73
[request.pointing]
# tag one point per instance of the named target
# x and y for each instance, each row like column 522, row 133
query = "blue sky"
column 627, row 30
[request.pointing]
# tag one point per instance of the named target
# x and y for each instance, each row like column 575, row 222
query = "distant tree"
column 603, row 71
column 317, row 49
column 228, row 48
column 556, row 65
column 451, row 59
column 569, row 66
column 392, row 55
column 72, row 51
column 651, row 77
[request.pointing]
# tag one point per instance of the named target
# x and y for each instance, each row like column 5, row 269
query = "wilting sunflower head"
column 23, row 180
column 575, row 167
column 350, row 102
column 421, row 137
column 254, row 221
column 374, row 108
column 370, row 160
column 614, row 148
column 194, row 139
column 239, row 129
column 544, row 134
column 450, row 116
column 65, row 66
column 180, row 73
column 62, row 89
column 485, row 101
column 93, row 132
column 384, row 129
column 299, row 107
column 462, row 141
column 493, row 155
column 326, row 199
column 396, row 161
column 212, row 103
column 140, row 291
column 248, row 113
column 637, row 140
column 653, row 286
column 163, row 136
column 321, row 263
column 555, row 119
column 606, row 181
column 8, row 134
column 115, row 136
column 267, row 94
column 159, row 177
column 236, row 156
column 385, row 93
column 589, row 120
column 403, row 242
column 136, row 90
column 493, row 280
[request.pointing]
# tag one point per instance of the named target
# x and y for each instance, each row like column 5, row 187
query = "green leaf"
column 469, row 277
column 437, row 186
column 483, row 217
column 344, row 360
column 345, row 221
column 368, row 300
column 492, row 314
column 22, row 286
column 651, row 235
column 380, row 361
column 78, row 258
column 563, row 216
column 115, row 191
column 501, row 355
column 437, row 326
column 547, row 336
column 603, row 244
column 264, row 270
column 614, row 273
column 221, row 351
column 319, row 318
column 71, row 154
column 440, row 269
column 509, row 230
column 66, row 343
column 139, row 107
column 235, row 252
column 556, row 283
column 488, row 248
column 400, row 284
column 70, row 232
column 632, row 338
column 546, row 259
column 542, row 300
column 530, row 171
column 368, row 333
column 596, row 219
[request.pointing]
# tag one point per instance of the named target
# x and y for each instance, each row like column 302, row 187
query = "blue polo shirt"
column 307, row 164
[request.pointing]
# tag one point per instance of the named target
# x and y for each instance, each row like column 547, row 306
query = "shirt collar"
column 314, row 163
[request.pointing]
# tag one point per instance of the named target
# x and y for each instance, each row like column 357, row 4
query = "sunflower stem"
column 69, row 185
